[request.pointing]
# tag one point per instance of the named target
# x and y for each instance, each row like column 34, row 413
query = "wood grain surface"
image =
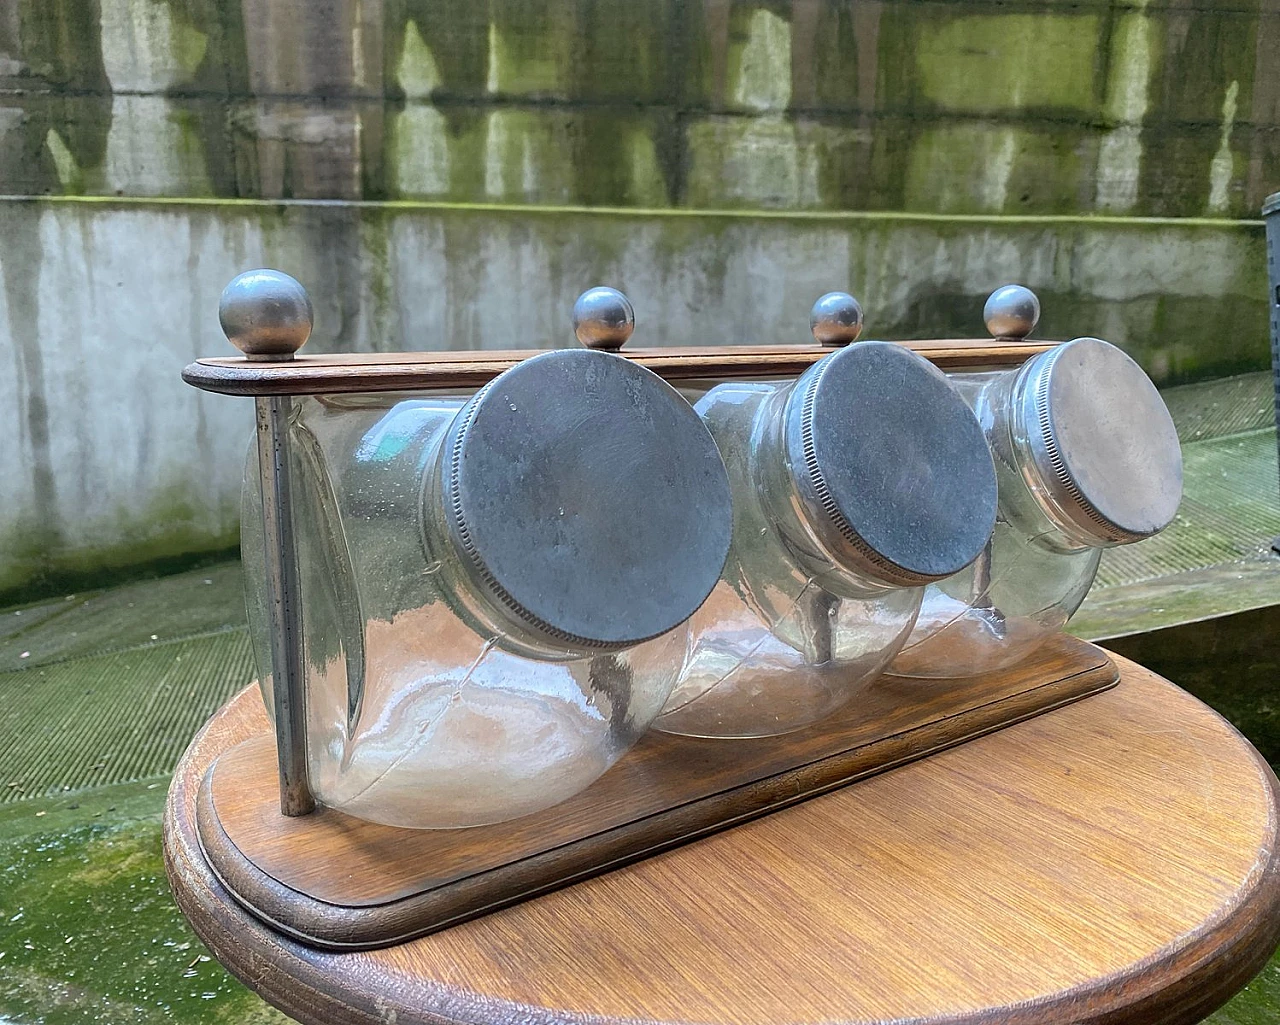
column 338, row 881
column 409, row 371
column 1111, row 861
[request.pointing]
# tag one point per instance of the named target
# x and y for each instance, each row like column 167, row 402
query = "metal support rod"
column 820, row 606
column 982, row 577
column 1271, row 217
column 284, row 605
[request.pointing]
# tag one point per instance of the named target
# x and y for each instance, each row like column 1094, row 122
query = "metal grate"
column 115, row 717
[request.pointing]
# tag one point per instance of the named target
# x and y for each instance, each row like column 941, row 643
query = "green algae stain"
column 769, row 162
column 189, row 47
column 647, row 185
column 990, row 62
column 157, row 39
column 529, row 156
column 418, row 137
column 614, row 160
column 417, row 71
column 1130, row 69
column 189, row 146
column 207, row 55
column 625, row 51
column 532, row 48
column 89, row 932
column 61, row 45
column 759, row 70
column 62, row 42
column 168, row 533
column 455, row 33
column 987, row 167
column 70, row 176
column 375, row 247
column 421, row 153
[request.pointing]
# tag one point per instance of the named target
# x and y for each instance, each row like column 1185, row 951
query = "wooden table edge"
column 1178, row 984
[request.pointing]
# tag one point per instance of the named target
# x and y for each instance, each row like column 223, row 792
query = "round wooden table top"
column 1111, row 861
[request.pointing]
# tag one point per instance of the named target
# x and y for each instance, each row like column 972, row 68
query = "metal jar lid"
column 588, row 499
column 890, row 464
column 1101, row 442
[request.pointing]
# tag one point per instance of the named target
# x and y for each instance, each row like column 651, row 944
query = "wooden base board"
column 337, row 882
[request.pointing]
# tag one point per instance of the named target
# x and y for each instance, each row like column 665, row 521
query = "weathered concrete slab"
column 1187, row 596
column 1215, row 560
column 115, row 461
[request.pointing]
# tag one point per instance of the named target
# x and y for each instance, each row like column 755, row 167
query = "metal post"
column 982, row 577
column 267, row 315
column 1271, row 215
column 284, row 605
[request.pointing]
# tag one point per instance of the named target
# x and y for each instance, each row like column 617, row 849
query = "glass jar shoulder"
column 993, row 397
column 742, row 418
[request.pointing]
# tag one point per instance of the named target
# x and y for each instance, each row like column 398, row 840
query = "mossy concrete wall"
column 739, row 157
column 1152, row 107
column 109, row 457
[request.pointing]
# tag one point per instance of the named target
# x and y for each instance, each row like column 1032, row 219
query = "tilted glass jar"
column 853, row 485
column 1087, row 458
column 493, row 586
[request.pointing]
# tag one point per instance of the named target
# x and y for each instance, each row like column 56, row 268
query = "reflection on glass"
column 1108, row 433
column 789, row 635
column 425, row 707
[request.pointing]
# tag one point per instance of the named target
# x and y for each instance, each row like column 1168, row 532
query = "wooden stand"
column 1112, row 862
column 338, row 882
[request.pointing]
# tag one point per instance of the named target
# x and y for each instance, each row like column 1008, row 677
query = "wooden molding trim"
column 413, row 371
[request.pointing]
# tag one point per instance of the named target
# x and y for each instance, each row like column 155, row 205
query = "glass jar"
column 495, row 587
column 853, row 485
column 1087, row 458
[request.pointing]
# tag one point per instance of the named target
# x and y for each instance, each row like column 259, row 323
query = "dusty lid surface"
column 1102, row 440
column 891, row 463
column 589, row 499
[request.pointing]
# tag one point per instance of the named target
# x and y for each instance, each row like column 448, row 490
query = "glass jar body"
column 426, row 708
column 1028, row 581
column 788, row 636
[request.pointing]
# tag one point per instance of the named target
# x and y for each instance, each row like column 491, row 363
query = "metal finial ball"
column 1012, row 311
column 265, row 314
column 603, row 318
column 836, row 319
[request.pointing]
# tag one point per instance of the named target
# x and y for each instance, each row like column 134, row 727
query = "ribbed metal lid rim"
column 1057, row 464
column 523, row 562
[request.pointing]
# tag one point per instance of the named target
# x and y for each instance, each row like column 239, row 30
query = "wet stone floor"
column 101, row 692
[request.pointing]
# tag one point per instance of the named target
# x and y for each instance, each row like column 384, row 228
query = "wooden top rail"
column 413, row 371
